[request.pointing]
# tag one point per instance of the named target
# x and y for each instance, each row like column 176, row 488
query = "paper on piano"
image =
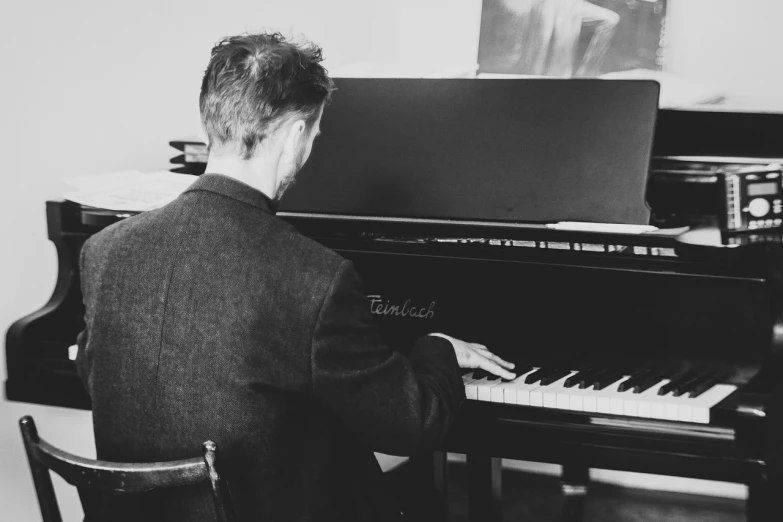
column 619, row 228
column 131, row 191
column 102, row 181
column 676, row 91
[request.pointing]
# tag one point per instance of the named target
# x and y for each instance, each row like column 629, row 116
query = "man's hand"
column 473, row 355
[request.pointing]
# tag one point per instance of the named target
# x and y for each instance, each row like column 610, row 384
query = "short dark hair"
column 255, row 81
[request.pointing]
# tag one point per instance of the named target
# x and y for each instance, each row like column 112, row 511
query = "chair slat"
column 118, row 477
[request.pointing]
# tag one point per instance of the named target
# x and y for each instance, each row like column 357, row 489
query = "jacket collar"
column 234, row 189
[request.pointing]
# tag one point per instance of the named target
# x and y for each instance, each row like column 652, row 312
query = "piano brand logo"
column 380, row 306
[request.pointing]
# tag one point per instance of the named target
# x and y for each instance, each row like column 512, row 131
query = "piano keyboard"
column 646, row 393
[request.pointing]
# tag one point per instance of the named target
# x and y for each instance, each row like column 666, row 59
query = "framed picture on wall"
column 571, row 38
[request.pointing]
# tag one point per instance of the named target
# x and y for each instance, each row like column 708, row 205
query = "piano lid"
column 521, row 150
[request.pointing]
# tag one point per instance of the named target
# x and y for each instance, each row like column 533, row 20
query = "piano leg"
column 575, row 479
column 484, row 488
column 764, row 504
column 427, row 486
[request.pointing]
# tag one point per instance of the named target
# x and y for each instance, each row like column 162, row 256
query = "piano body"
column 692, row 311
column 657, row 353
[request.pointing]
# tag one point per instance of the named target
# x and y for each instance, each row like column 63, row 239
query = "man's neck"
column 259, row 173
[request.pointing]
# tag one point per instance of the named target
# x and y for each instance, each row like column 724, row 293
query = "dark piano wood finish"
column 651, row 298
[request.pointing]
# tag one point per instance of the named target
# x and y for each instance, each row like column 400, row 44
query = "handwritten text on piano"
column 379, row 306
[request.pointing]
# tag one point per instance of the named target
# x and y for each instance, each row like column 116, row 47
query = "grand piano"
column 656, row 351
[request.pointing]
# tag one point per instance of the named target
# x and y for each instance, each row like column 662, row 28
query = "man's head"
column 261, row 92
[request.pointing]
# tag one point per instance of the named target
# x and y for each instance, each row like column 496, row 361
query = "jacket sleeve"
column 83, row 362
column 394, row 404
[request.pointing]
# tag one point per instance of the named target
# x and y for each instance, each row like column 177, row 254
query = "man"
column 211, row 318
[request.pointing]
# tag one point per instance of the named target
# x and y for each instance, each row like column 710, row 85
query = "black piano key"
column 590, row 377
column 634, row 378
column 536, row 376
column 648, row 382
column 708, row 376
column 555, row 375
column 716, row 378
column 699, row 375
column 643, row 386
column 688, row 385
column 544, row 371
column 678, row 381
column 522, row 368
column 579, row 377
column 645, row 376
column 656, row 376
column 608, row 378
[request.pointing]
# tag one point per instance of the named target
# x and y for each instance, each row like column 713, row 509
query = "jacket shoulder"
column 301, row 250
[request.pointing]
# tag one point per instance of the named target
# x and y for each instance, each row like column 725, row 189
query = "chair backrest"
column 118, row 478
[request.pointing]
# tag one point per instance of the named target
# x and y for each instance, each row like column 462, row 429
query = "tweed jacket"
column 211, row 318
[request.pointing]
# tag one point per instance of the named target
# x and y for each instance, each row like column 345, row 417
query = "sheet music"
column 602, row 227
column 131, row 191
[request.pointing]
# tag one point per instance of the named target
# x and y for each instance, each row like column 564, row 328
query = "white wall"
column 90, row 86
column 731, row 44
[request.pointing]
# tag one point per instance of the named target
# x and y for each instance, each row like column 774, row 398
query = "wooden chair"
column 118, row 478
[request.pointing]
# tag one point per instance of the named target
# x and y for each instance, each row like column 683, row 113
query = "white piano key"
column 472, row 388
column 485, row 389
column 523, row 394
column 658, row 403
column 537, row 396
column 506, row 391
column 630, row 406
column 618, row 398
column 702, row 404
column 496, row 392
column 549, row 392
column 515, row 388
column 670, row 409
column 684, row 409
column 468, row 378
column 471, row 392
column 590, row 399
column 563, row 399
column 635, row 406
column 578, row 399
column 647, row 404
column 562, row 394
column 678, row 408
column 688, row 409
column 645, row 400
column 607, row 400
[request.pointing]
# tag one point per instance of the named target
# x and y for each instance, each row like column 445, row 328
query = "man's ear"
column 294, row 136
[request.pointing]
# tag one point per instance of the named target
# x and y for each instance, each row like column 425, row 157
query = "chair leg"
column 484, row 488
column 220, row 493
column 50, row 511
column 427, row 476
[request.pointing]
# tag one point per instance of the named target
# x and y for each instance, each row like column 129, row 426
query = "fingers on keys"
column 491, row 366
column 491, row 356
